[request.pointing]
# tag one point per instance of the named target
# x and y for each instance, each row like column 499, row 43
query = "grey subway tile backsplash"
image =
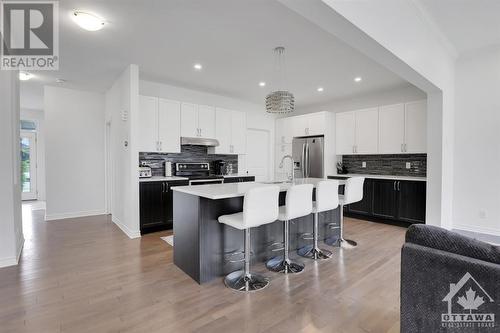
column 188, row 154
column 387, row 164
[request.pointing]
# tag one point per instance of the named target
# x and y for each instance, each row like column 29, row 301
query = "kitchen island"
column 206, row 249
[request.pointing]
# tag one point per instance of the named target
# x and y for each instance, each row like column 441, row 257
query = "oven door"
column 206, row 181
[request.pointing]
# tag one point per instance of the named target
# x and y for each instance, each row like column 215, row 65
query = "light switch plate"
column 408, row 165
column 363, row 164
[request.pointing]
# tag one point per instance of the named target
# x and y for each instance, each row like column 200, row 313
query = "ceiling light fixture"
column 320, row 89
column 60, row 81
column 262, row 84
column 25, row 76
column 358, row 79
column 280, row 100
column 198, row 67
column 88, row 21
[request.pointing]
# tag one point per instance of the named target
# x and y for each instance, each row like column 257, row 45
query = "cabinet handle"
column 394, row 186
column 406, row 150
column 161, row 145
column 402, row 147
column 200, row 132
column 399, row 185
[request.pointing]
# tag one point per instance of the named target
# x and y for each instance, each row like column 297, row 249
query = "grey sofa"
column 449, row 282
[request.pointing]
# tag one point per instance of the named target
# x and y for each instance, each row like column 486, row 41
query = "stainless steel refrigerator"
column 308, row 155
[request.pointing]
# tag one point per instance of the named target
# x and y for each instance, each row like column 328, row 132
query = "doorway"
column 257, row 158
column 28, row 165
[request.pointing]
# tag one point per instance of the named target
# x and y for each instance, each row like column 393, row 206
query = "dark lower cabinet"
column 411, row 203
column 156, row 207
column 239, row 179
column 385, row 199
column 390, row 200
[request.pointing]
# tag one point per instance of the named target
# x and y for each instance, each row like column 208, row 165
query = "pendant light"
column 280, row 100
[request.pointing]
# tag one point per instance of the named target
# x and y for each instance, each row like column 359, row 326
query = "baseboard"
column 130, row 233
column 480, row 230
column 20, row 249
column 52, row 217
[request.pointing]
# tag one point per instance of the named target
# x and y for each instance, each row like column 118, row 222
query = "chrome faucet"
column 292, row 177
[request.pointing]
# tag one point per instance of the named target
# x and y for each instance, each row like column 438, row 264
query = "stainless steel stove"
column 197, row 173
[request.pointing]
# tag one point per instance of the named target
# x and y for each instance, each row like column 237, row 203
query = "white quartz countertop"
column 161, row 179
column 389, row 177
column 232, row 190
column 234, row 175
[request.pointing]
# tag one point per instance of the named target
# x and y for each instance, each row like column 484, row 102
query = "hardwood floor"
column 85, row 275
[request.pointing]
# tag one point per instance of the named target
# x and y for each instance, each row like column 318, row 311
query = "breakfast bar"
column 206, row 249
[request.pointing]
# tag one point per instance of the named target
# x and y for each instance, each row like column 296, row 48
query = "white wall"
column 123, row 182
column 477, row 144
column 257, row 117
column 386, row 97
column 39, row 118
column 11, row 231
column 74, row 122
column 397, row 35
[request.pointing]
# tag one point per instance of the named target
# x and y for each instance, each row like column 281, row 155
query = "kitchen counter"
column 233, row 190
column 161, row 179
column 234, row 175
column 202, row 244
column 389, row 177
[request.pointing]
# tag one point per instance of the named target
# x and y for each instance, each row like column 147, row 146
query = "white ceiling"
column 233, row 39
column 469, row 25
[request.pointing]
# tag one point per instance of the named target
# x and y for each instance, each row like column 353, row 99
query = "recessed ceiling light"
column 262, row 84
column 198, row 67
column 25, row 76
column 88, row 21
column 61, row 81
column 358, row 79
column 320, row 89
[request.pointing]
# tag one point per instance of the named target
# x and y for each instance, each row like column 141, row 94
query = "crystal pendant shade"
column 280, row 102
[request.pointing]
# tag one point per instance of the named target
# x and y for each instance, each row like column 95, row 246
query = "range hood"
column 199, row 142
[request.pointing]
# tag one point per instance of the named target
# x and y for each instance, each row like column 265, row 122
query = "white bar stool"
column 327, row 198
column 353, row 192
column 298, row 203
column 260, row 206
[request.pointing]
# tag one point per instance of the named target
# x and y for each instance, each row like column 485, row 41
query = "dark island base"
column 202, row 245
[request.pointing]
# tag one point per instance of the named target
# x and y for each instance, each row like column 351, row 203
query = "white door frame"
column 33, row 194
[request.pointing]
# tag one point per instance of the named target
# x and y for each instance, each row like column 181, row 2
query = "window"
column 28, row 125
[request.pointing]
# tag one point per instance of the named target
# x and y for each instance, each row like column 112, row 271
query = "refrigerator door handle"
column 303, row 160
column 307, row 166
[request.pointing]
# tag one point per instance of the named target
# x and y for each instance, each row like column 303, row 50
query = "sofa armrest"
column 426, row 275
column 442, row 239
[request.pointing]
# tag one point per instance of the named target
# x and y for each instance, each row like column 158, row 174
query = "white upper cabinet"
column 304, row 125
column 416, row 127
column 197, row 121
column 189, row 120
column 148, row 124
column 366, row 131
column 230, row 131
column 391, row 129
column 169, row 125
column 223, row 130
column 316, row 124
column 308, row 125
column 206, row 121
column 345, row 133
column 159, row 125
column 239, row 132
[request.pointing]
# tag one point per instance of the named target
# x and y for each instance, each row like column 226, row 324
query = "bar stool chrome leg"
column 284, row 265
column 315, row 252
column 243, row 280
column 344, row 243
